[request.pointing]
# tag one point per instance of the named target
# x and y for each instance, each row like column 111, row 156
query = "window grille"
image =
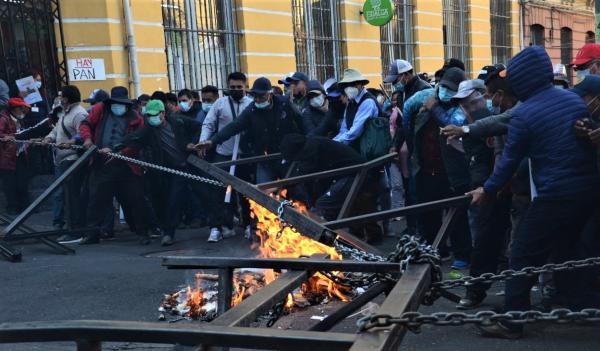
column 501, row 31
column 201, row 39
column 537, row 36
column 397, row 35
column 456, row 27
column 566, row 50
column 317, row 38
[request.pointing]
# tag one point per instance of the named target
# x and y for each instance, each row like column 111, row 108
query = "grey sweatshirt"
column 71, row 118
column 220, row 115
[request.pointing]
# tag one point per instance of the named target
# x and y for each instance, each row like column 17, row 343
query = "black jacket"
column 311, row 119
column 322, row 154
column 265, row 128
column 148, row 137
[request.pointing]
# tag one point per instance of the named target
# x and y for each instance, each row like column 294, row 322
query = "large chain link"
column 124, row 158
column 488, row 278
column 414, row 320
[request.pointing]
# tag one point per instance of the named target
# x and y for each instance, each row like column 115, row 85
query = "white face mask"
column 317, row 101
column 582, row 74
column 351, row 92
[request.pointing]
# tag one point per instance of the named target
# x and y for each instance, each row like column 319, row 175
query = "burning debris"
column 276, row 240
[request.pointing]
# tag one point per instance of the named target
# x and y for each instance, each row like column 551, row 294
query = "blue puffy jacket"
column 541, row 128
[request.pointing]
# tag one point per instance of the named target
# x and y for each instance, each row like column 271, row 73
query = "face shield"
column 474, row 106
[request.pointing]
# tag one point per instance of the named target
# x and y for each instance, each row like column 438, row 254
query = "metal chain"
column 414, row 320
column 356, row 254
column 488, row 278
column 124, row 158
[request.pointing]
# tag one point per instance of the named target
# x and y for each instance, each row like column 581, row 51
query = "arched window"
column 566, row 49
column 537, row 36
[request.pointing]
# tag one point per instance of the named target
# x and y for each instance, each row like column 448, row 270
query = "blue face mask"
column 495, row 110
column 399, row 86
column 38, row 84
column 154, row 121
column 445, row 94
column 262, row 105
column 185, row 106
column 143, row 110
column 206, row 107
column 582, row 74
column 118, row 109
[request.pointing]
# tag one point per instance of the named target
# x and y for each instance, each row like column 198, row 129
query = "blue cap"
column 590, row 86
column 313, row 86
column 261, row 86
column 297, row 76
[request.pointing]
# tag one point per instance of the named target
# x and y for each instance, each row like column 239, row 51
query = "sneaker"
column 167, row 240
column 458, row 264
column 500, row 331
column 227, row 232
column 90, row 240
column 215, row 235
column 470, row 301
column 69, row 239
column 156, row 233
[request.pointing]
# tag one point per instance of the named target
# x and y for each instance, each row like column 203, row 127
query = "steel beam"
column 55, row 185
column 120, row 331
column 405, row 296
column 248, row 160
column 311, row 264
column 302, row 223
column 326, row 174
column 356, row 303
column 458, row 201
column 225, row 289
column 257, row 304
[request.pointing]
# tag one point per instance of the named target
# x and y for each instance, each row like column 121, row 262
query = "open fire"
column 275, row 241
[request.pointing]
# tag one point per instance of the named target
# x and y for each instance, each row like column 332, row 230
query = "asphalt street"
column 121, row 280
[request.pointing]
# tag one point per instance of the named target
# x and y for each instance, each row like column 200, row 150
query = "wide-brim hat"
column 352, row 75
column 120, row 95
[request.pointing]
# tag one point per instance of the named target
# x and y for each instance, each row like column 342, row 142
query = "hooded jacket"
column 541, row 129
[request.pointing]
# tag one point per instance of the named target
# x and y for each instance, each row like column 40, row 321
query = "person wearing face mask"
column 361, row 106
column 587, row 61
column 208, row 95
column 266, row 121
column 317, row 108
column 438, row 167
column 106, row 126
column 404, row 79
column 167, row 139
column 224, row 111
column 13, row 157
column 563, row 173
column 329, row 126
column 298, row 89
column 188, row 106
column 65, row 132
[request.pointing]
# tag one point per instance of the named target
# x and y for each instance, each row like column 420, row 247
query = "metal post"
column 225, row 289
column 357, row 183
column 135, row 72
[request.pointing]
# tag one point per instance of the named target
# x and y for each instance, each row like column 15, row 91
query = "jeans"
column 492, row 224
column 71, row 197
column 58, row 209
column 551, row 227
column 395, row 185
column 178, row 187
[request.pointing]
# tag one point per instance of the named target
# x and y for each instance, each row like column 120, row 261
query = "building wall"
column 266, row 47
column 553, row 16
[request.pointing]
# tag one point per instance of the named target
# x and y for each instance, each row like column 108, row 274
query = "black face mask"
column 237, row 95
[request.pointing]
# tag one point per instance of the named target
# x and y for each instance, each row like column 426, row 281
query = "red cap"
column 17, row 102
column 587, row 53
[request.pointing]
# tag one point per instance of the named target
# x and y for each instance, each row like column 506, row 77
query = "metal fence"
column 28, row 42
column 501, row 31
column 201, row 38
column 456, row 42
column 397, row 36
column 317, row 38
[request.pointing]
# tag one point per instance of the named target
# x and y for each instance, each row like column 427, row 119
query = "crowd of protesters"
column 519, row 139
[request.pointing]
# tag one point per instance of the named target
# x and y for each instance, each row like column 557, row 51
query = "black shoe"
column 107, row 235
column 89, row 240
column 470, row 301
column 167, row 240
column 69, row 239
column 156, row 233
column 500, row 331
